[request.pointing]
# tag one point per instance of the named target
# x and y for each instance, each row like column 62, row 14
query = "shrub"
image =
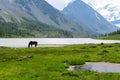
column 76, row 62
column 104, row 51
column 70, row 74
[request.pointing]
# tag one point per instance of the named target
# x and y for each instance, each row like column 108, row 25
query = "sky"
column 60, row 4
column 101, row 3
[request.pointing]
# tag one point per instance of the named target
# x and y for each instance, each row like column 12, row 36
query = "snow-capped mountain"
column 88, row 17
column 109, row 9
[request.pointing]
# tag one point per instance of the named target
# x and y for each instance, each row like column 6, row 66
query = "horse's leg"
column 36, row 45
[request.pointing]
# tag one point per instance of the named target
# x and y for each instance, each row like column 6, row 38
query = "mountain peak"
column 88, row 17
column 38, row 10
column 76, row 1
column 109, row 9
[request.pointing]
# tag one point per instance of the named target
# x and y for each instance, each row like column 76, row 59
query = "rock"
column 24, row 57
column 30, row 56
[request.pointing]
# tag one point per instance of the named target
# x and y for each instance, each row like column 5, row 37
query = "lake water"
column 98, row 66
column 23, row 42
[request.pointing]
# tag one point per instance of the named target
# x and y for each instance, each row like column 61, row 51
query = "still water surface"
column 23, row 42
column 97, row 66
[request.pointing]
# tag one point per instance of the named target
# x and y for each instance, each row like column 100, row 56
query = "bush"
column 105, row 51
column 70, row 74
column 76, row 62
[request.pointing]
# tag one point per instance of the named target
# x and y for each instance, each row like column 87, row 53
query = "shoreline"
column 52, row 45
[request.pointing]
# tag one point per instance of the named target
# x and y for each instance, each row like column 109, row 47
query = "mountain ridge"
column 87, row 16
column 110, row 10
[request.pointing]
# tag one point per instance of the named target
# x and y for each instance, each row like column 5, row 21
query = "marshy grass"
column 52, row 63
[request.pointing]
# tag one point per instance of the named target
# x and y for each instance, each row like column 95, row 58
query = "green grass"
column 52, row 63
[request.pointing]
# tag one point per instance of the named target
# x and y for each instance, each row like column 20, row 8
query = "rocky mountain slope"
column 38, row 10
column 19, row 11
column 86, row 16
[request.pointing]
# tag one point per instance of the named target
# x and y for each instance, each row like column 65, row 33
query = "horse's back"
column 33, row 43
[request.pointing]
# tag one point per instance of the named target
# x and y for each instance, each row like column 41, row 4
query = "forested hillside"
column 111, row 36
column 30, row 29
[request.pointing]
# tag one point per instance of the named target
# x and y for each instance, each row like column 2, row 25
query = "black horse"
column 32, row 43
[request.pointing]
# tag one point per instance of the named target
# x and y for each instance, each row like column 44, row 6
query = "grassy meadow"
column 52, row 63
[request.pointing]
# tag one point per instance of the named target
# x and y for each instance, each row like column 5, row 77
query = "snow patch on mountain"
column 88, row 17
column 109, row 9
column 97, row 16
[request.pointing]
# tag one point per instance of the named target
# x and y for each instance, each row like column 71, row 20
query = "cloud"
column 101, row 3
column 67, row 1
column 59, row 4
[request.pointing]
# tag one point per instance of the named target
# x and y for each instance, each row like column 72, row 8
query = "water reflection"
column 98, row 66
